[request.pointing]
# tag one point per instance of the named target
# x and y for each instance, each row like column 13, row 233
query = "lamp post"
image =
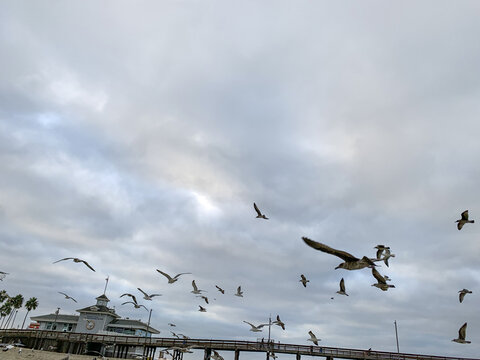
column 54, row 327
column 396, row 335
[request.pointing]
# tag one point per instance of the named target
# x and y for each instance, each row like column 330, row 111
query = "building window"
column 48, row 326
column 70, row 327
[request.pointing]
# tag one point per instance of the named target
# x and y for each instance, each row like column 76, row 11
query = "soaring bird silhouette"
column 351, row 262
column 279, row 322
column 137, row 306
column 259, row 214
column 342, row 288
column 67, row 297
column 461, row 335
column 77, row 260
column 202, row 309
column 463, row 220
column 462, row 294
column 220, row 289
column 204, row 298
column 195, row 290
column 313, row 338
column 304, row 280
column 170, row 279
column 134, row 299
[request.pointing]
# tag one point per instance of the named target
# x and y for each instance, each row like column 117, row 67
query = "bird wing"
column 128, row 302
column 379, row 253
column 239, row 290
column 461, row 296
column 63, row 294
column 144, row 307
column 220, row 289
column 194, row 286
column 327, row 249
column 91, row 268
column 253, row 326
column 143, row 292
column 178, row 275
column 69, row 258
column 256, row 209
column 462, row 331
column 460, row 225
column 380, row 278
column 165, row 274
column 465, row 215
column 342, row 285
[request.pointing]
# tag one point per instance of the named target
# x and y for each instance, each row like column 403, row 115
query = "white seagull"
column 463, row 293
column 170, row 279
column 146, row 296
column 255, row 328
column 304, row 280
column 461, row 335
column 77, row 260
column 463, row 220
column 351, row 262
column 67, row 297
column 259, row 214
column 279, row 322
column 195, row 290
column 387, row 255
column 239, row 292
column 313, row 338
column 381, row 281
column 342, row 288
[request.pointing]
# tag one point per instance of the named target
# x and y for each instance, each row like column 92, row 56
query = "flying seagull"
column 461, row 335
column 463, row 293
column 342, row 288
column 463, row 220
column 77, row 260
column 132, row 296
column 304, row 280
column 216, row 355
column 387, row 255
column 220, row 289
column 279, row 322
column 67, row 297
column 137, row 306
column 255, row 328
column 170, row 279
column 202, row 309
column 381, row 281
column 351, row 262
column 172, row 324
column 146, row 296
column 239, row 292
column 204, row 298
column 313, row 338
column 259, row 214
column 380, row 249
column 195, row 290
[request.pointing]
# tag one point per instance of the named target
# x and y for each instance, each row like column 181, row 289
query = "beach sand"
column 13, row 354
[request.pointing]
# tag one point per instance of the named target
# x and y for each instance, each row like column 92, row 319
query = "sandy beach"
column 13, row 354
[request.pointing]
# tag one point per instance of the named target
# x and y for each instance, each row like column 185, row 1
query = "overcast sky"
column 137, row 135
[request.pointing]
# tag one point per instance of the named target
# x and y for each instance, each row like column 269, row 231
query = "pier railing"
column 230, row 345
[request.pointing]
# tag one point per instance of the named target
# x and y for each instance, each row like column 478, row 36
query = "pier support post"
column 298, row 356
column 237, row 354
column 207, row 354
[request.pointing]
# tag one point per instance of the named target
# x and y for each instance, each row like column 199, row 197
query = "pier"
column 119, row 346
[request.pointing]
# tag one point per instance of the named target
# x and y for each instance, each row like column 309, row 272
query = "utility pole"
column 396, row 335
column 54, row 327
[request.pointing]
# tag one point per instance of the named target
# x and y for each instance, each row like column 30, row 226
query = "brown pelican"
column 463, row 293
column 259, row 214
column 351, row 262
column 146, row 296
column 304, row 280
column 67, row 297
column 313, row 338
column 77, row 260
column 342, row 288
column 463, row 220
column 381, row 281
column 170, row 279
column 461, row 335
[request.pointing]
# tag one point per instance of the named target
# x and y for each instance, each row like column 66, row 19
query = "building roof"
column 132, row 324
column 102, row 297
column 99, row 309
column 70, row 319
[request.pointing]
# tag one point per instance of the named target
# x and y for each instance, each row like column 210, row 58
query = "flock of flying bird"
column 350, row 262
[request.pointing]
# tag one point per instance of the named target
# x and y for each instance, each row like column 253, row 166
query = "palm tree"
column 5, row 309
column 31, row 304
column 17, row 302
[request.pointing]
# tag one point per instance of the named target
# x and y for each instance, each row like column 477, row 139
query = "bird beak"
column 338, row 267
